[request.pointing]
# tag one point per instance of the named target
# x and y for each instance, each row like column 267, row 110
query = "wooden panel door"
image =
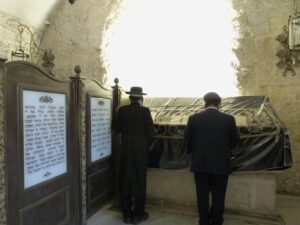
column 42, row 160
column 99, row 151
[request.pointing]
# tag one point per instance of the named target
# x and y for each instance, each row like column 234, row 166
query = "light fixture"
column 290, row 41
column 294, row 29
column 3, row 57
column 20, row 53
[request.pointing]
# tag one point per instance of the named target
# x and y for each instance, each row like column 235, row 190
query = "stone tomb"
column 247, row 192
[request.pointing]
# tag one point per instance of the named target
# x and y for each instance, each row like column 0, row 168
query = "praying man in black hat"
column 210, row 135
column 135, row 124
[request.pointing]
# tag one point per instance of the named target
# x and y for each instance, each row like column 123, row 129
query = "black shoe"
column 140, row 218
column 128, row 220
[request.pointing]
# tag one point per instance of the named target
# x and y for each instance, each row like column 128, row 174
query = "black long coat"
column 210, row 136
column 135, row 124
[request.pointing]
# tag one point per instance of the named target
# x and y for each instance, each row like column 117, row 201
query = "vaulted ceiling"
column 33, row 12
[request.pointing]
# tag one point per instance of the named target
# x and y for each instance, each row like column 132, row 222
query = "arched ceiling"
column 33, row 12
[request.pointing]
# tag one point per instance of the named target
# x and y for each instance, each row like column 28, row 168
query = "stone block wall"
column 8, row 39
column 75, row 35
column 259, row 22
column 3, row 191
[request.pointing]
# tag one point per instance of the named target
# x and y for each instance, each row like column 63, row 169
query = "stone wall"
column 259, row 23
column 9, row 36
column 3, row 192
column 75, row 35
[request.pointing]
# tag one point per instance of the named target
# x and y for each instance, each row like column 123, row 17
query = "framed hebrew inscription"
column 100, row 125
column 45, row 141
column 42, row 159
column 97, row 109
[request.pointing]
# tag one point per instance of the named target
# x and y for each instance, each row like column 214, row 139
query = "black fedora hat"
column 136, row 92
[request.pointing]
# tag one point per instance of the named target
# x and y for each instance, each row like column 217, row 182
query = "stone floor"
column 288, row 207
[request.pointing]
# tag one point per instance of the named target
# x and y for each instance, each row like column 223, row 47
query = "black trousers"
column 133, row 206
column 215, row 185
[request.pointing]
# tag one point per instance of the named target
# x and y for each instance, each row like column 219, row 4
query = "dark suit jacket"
column 210, row 135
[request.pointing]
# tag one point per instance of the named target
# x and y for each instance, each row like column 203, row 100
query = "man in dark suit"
column 135, row 123
column 210, row 136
